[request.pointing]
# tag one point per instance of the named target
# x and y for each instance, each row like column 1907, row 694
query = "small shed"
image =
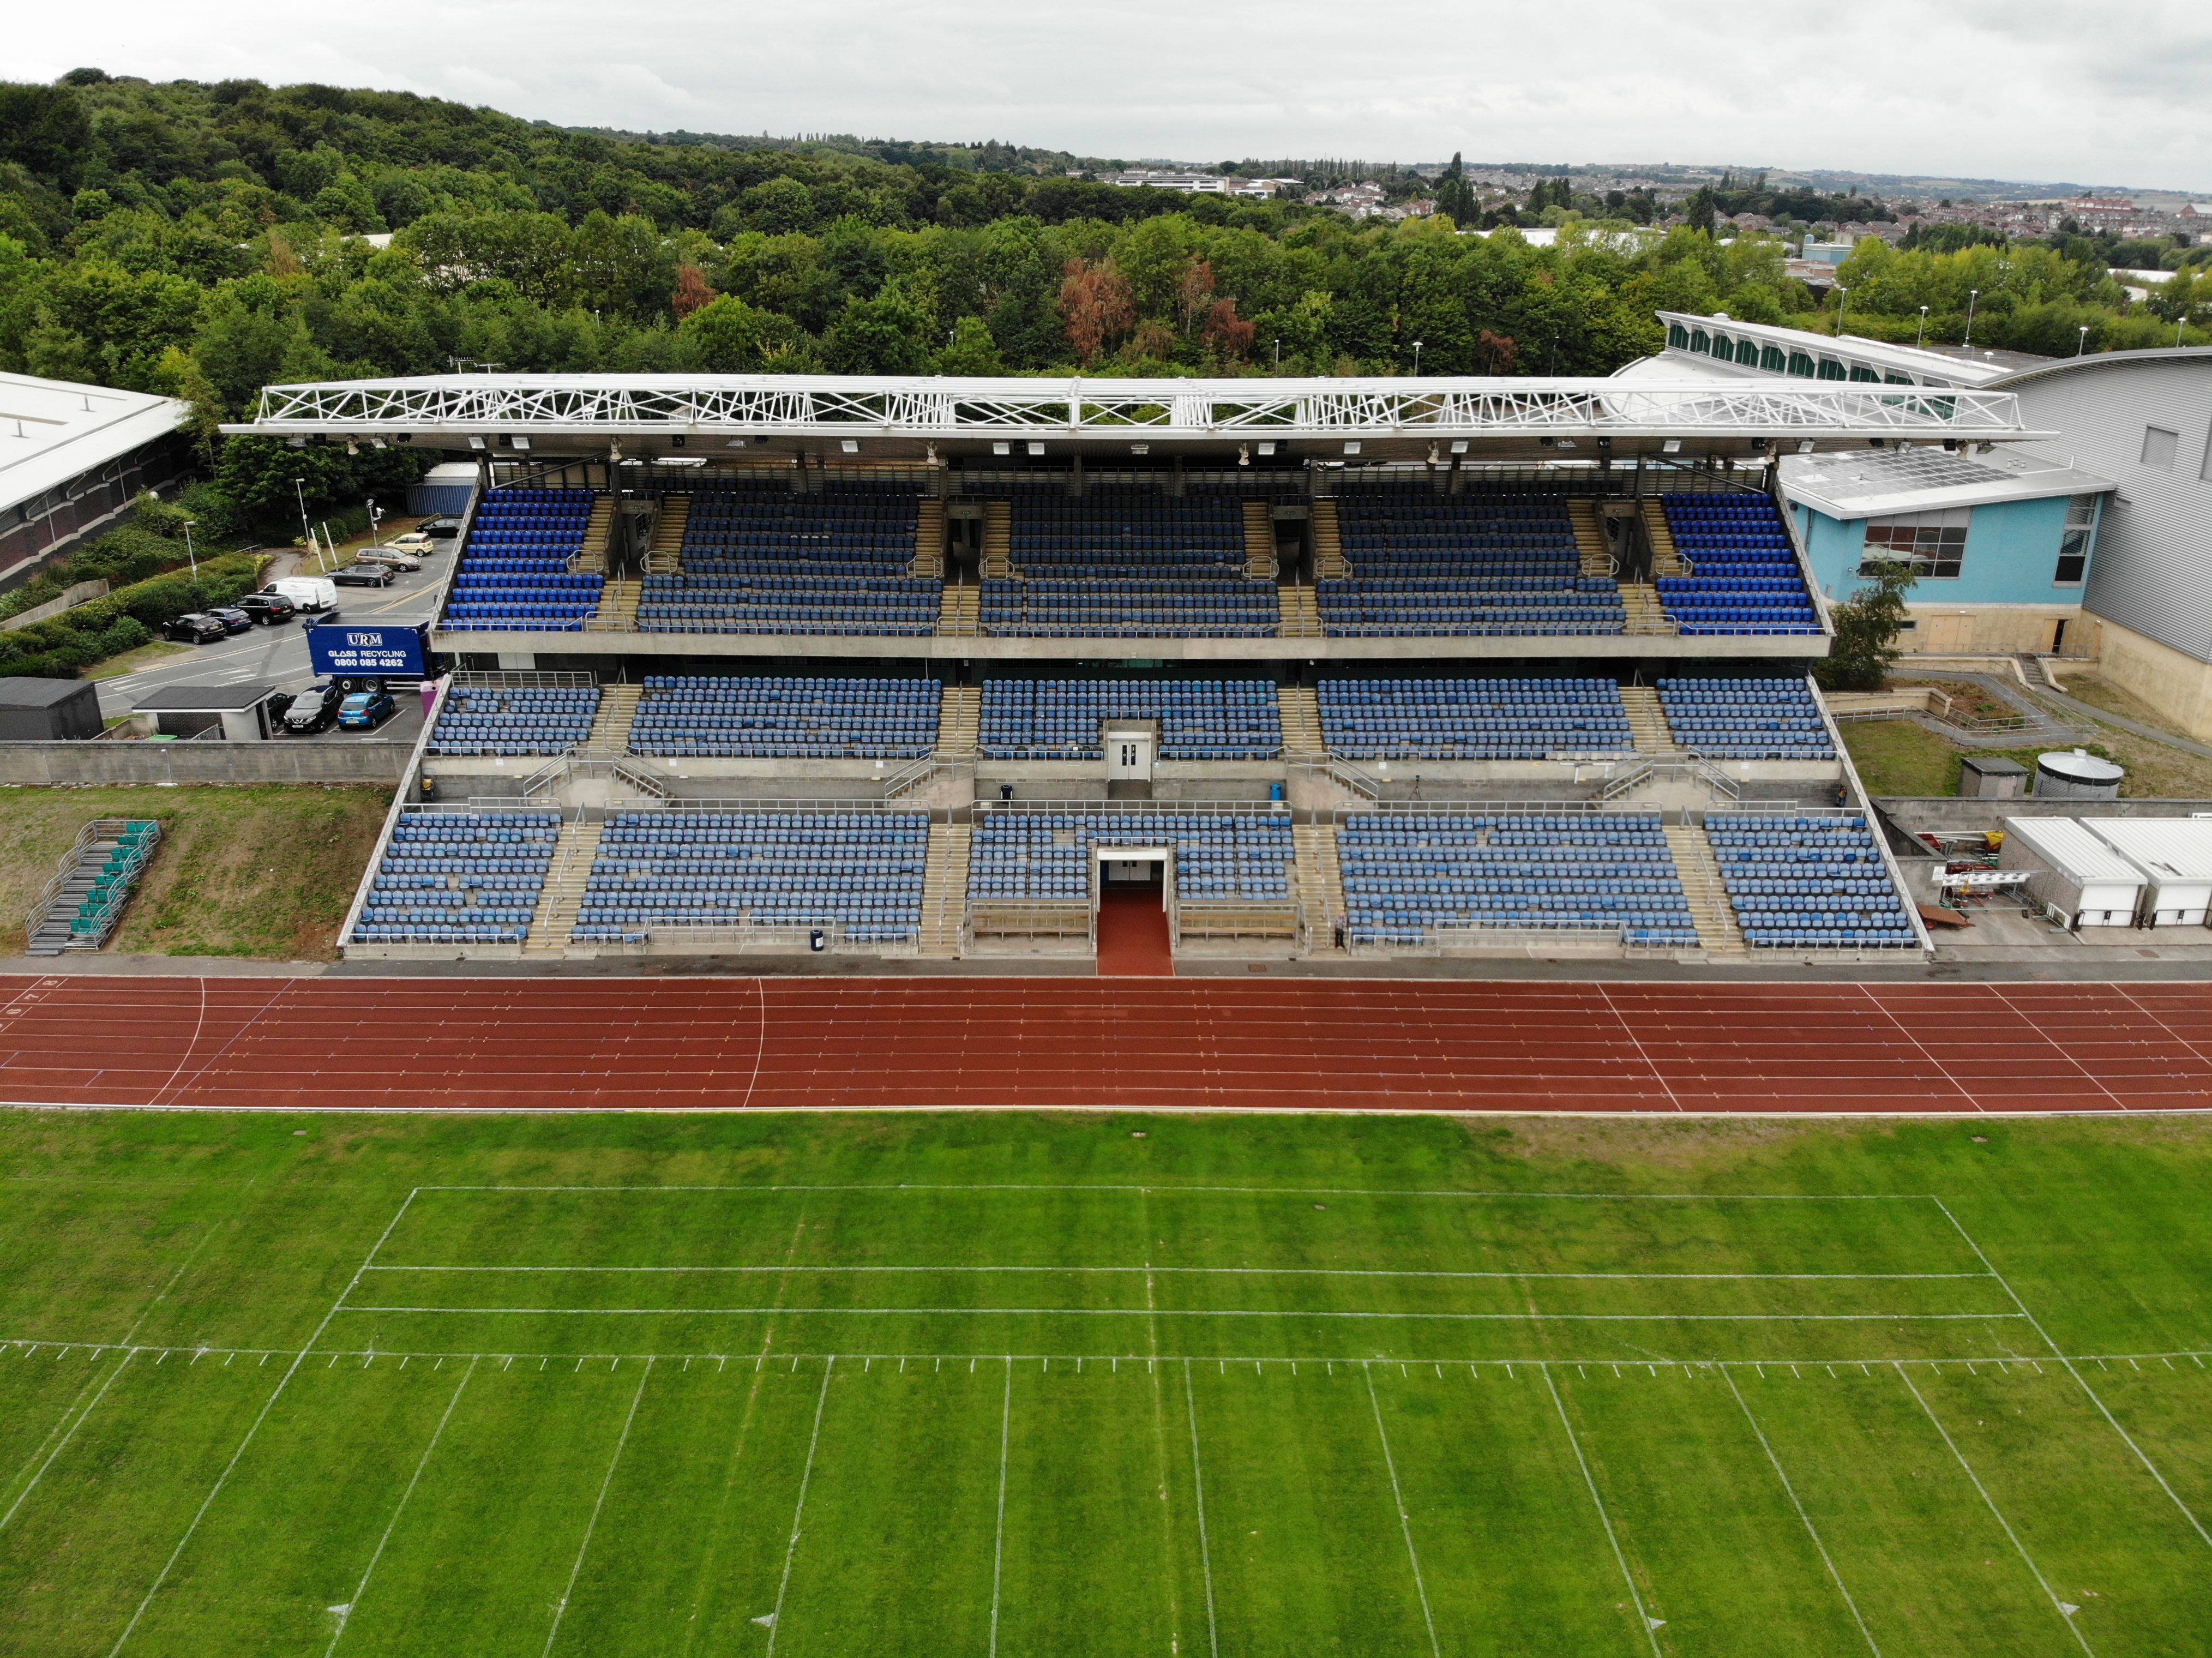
column 2174, row 857
column 1992, row 777
column 49, row 710
column 236, row 714
column 2072, row 871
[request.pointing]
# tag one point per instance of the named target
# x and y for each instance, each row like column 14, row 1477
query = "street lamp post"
column 1972, row 294
column 374, row 519
column 1417, row 360
column 2081, row 344
column 299, row 494
column 192, row 557
column 1921, row 338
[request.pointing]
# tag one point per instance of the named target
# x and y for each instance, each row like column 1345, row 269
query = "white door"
column 1129, row 758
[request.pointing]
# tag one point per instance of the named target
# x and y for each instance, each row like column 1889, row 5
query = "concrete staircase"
column 929, row 541
column 664, row 554
column 998, row 540
column 1666, row 560
column 1260, row 561
column 1297, row 611
column 944, row 889
column 1300, row 707
column 960, row 611
column 1589, row 537
column 959, row 716
column 611, row 726
column 1329, row 543
column 1646, row 613
column 564, row 893
column 599, row 536
column 618, row 601
column 1647, row 721
column 1321, row 881
column 1703, row 890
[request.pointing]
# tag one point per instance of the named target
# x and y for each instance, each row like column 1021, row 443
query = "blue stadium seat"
column 1200, row 718
column 1471, row 719
column 1049, row 854
column 1808, row 882
column 458, row 878
column 779, row 717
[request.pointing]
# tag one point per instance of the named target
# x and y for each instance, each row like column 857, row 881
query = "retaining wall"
column 78, row 763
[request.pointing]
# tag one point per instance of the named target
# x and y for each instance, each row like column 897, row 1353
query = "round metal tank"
column 2076, row 775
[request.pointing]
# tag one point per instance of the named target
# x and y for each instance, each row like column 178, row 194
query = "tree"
column 46, row 131
column 885, row 335
column 971, row 350
column 1698, row 211
column 1456, row 196
column 1867, row 626
column 732, row 338
column 1096, row 306
column 693, row 291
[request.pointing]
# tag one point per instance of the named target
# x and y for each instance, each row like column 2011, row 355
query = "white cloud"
column 2034, row 90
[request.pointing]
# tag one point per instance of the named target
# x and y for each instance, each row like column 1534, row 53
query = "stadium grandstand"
column 990, row 669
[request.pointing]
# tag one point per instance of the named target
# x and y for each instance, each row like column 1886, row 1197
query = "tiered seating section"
column 459, row 878
column 479, row 721
column 760, row 559
column 1772, row 719
column 1127, row 562
column 1471, row 719
column 661, row 870
column 1199, row 719
column 1048, row 855
column 1407, row 876
column 1744, row 578
column 514, row 574
column 1428, row 564
column 1808, row 883
column 786, row 719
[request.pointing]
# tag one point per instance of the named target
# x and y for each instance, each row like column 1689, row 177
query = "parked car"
column 311, row 595
column 268, row 608
column 440, row 529
column 233, row 618
column 363, row 575
column 366, row 710
column 195, row 628
column 314, row 709
column 391, row 554
column 415, row 542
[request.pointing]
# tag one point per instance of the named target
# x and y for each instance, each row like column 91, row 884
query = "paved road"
column 277, row 655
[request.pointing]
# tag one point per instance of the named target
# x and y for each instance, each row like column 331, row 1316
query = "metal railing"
column 91, row 932
column 521, row 679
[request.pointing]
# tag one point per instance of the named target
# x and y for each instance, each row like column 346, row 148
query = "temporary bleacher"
column 1473, row 719
column 786, row 718
column 1748, row 718
column 1487, row 562
column 761, row 558
column 1744, row 577
column 1199, row 719
column 458, row 878
column 503, row 720
column 1049, row 854
column 859, row 873
column 1417, row 878
column 84, row 901
column 1808, row 882
column 517, row 573
column 1126, row 562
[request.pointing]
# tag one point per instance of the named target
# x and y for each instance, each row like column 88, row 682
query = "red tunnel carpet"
column 1186, row 1043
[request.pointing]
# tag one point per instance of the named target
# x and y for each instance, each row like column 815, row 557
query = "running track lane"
column 1186, row 1043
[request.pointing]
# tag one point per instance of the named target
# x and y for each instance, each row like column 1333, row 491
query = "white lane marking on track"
column 1810, row 1530
column 1405, row 1520
column 2026, row 1560
column 1964, row 1092
column 361, row 1589
column 1629, row 1029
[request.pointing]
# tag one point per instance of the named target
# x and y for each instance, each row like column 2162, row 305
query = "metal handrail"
column 98, row 830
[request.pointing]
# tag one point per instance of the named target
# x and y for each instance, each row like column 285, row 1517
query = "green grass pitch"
column 1005, row 1386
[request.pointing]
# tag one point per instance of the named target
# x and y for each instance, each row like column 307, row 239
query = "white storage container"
column 2174, row 857
column 2072, row 871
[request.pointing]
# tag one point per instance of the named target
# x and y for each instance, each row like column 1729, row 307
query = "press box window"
column 2075, row 542
column 2159, row 446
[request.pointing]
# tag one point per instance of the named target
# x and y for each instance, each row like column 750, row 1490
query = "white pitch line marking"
column 1195, row 1312
column 1405, row 1521
column 1650, row 1631
column 560, row 1608
column 798, row 1512
column 360, row 1588
column 2026, row 1560
column 1236, row 1271
column 1197, row 1489
column 999, row 1539
column 1810, row 1530
column 70, row 1434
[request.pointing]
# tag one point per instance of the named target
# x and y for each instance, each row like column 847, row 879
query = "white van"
column 310, row 595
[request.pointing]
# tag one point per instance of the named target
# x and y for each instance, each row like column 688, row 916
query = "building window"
column 1724, row 348
column 1832, row 370
column 2159, row 446
column 2205, row 470
column 1773, row 361
column 1747, row 351
column 2076, row 541
column 1678, row 336
column 1699, row 340
column 1861, row 371
column 1932, row 544
column 1892, row 378
column 1800, row 365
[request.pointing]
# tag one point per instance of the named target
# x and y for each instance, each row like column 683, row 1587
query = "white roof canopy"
column 1875, row 483
column 51, row 431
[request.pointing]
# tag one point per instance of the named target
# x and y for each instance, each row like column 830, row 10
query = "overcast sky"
column 2118, row 92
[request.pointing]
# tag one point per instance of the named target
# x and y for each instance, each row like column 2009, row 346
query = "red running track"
column 1283, row 1043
